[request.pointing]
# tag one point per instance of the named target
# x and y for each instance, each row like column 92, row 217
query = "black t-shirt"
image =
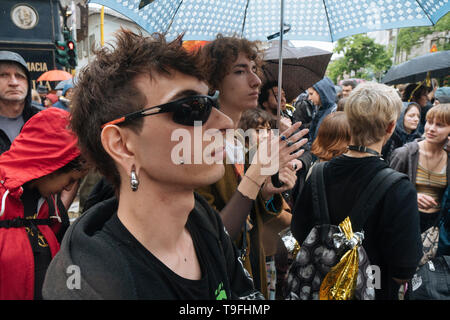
column 154, row 280
column 392, row 234
column 39, row 245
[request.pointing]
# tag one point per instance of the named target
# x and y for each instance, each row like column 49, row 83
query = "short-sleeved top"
column 392, row 233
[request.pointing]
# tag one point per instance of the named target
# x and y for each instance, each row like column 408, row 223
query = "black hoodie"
column 400, row 136
column 28, row 110
column 111, row 264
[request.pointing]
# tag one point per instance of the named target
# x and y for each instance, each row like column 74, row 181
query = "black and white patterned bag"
column 325, row 245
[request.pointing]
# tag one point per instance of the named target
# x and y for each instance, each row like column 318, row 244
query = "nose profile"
column 255, row 81
column 219, row 120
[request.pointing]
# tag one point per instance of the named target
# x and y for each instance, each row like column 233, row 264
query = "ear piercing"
column 134, row 182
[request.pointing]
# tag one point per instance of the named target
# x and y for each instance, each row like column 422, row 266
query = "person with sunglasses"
column 156, row 239
column 233, row 67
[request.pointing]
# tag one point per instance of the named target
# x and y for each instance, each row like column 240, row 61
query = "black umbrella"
column 302, row 67
column 416, row 69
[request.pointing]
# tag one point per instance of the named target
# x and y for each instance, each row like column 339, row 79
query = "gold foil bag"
column 340, row 281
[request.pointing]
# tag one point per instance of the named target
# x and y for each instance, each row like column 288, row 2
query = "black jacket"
column 105, row 274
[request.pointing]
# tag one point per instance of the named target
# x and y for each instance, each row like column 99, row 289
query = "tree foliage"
column 363, row 58
column 410, row 37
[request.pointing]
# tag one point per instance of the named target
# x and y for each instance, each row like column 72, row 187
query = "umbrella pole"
column 280, row 64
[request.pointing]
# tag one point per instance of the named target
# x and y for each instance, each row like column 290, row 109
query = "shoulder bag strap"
column 319, row 196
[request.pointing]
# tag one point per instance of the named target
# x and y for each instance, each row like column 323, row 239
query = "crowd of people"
column 160, row 224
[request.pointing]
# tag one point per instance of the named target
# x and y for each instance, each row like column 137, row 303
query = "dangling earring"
column 181, row 162
column 134, row 180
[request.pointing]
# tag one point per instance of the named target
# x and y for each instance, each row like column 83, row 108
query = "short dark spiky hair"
column 106, row 91
column 219, row 54
column 347, row 83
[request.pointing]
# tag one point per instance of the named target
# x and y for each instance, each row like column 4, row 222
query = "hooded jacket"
column 29, row 110
column 327, row 92
column 98, row 256
column 43, row 146
column 400, row 136
column 63, row 103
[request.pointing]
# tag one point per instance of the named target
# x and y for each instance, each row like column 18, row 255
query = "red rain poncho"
column 43, row 146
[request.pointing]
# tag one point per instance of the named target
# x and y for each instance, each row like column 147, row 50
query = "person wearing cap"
column 15, row 97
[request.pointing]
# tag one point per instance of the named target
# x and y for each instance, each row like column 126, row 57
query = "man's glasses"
column 185, row 111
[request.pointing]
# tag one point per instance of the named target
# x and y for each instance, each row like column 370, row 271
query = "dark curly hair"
column 265, row 91
column 252, row 118
column 219, row 54
column 106, row 90
column 414, row 92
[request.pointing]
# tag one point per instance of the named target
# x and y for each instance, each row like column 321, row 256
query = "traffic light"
column 62, row 56
column 72, row 53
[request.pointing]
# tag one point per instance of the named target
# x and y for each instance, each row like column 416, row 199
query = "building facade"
column 113, row 21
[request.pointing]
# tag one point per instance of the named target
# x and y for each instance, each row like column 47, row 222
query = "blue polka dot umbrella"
column 317, row 20
column 321, row 20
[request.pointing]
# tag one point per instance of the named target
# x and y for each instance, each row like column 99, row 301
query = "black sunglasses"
column 185, row 111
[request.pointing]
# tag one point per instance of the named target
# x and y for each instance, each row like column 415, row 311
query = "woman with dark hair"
column 418, row 93
column 42, row 161
column 257, row 119
column 406, row 130
column 256, row 123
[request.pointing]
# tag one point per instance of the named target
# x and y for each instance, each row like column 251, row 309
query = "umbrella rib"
column 173, row 17
column 245, row 17
column 328, row 19
column 428, row 16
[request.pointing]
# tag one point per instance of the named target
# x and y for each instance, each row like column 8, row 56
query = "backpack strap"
column 319, row 197
column 320, row 202
column 373, row 193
